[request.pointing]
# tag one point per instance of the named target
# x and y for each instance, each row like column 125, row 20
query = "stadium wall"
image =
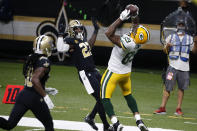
column 17, row 34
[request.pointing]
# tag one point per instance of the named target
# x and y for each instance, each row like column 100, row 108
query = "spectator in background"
column 178, row 46
column 33, row 97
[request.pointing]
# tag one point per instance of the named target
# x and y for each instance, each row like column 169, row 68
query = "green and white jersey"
column 121, row 58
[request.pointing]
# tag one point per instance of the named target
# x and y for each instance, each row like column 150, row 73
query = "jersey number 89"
column 128, row 58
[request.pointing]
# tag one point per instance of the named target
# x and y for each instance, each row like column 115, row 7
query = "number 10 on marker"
column 10, row 93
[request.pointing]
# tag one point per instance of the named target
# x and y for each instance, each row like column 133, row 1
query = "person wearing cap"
column 177, row 46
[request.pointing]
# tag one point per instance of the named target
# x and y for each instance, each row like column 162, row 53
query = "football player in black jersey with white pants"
column 33, row 97
column 80, row 49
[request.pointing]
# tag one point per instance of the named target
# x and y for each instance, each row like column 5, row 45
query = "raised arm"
column 92, row 40
column 61, row 45
column 110, row 32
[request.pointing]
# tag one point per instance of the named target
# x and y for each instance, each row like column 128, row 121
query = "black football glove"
column 95, row 24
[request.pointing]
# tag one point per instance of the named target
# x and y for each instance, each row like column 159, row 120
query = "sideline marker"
column 11, row 92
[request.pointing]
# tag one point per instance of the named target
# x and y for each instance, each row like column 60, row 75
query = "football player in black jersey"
column 33, row 97
column 80, row 49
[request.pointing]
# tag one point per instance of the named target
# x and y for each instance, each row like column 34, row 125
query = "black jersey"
column 82, row 54
column 41, row 62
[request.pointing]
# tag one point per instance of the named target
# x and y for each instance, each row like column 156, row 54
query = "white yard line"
column 57, row 111
column 128, row 117
column 74, row 125
column 192, row 123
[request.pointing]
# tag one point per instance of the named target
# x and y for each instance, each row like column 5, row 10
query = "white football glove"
column 48, row 102
column 51, row 91
column 61, row 46
column 125, row 15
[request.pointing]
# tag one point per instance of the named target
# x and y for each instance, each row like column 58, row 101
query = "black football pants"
column 28, row 99
column 94, row 78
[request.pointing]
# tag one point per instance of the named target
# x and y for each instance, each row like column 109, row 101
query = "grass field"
column 73, row 103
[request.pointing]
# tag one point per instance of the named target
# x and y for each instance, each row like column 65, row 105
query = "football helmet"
column 74, row 25
column 141, row 35
column 43, row 45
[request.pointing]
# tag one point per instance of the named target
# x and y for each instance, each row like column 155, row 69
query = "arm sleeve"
column 61, row 46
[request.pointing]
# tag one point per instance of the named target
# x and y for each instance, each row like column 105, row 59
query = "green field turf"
column 73, row 103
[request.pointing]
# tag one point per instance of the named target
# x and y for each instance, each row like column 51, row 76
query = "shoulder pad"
column 44, row 62
column 126, row 41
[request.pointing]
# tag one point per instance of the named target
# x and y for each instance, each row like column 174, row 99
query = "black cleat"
column 141, row 125
column 116, row 127
column 90, row 122
column 110, row 128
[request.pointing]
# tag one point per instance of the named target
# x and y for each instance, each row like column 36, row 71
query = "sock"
column 94, row 111
column 102, row 114
column 108, row 107
column 137, row 117
column 114, row 119
column 131, row 103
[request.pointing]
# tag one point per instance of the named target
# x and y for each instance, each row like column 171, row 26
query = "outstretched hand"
column 95, row 24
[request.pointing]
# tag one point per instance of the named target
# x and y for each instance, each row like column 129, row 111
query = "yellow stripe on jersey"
column 122, row 45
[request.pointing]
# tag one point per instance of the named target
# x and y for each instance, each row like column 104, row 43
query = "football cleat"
column 161, row 111
column 91, row 122
column 141, row 125
column 178, row 112
column 116, row 127
column 110, row 128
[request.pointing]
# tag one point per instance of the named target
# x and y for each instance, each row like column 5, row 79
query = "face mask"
column 79, row 36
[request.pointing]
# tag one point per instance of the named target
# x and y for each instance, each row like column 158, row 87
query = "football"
column 133, row 9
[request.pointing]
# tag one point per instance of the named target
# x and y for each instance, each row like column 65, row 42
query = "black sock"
column 93, row 113
column 102, row 114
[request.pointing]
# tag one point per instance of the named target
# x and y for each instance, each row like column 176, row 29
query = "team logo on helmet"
column 141, row 36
